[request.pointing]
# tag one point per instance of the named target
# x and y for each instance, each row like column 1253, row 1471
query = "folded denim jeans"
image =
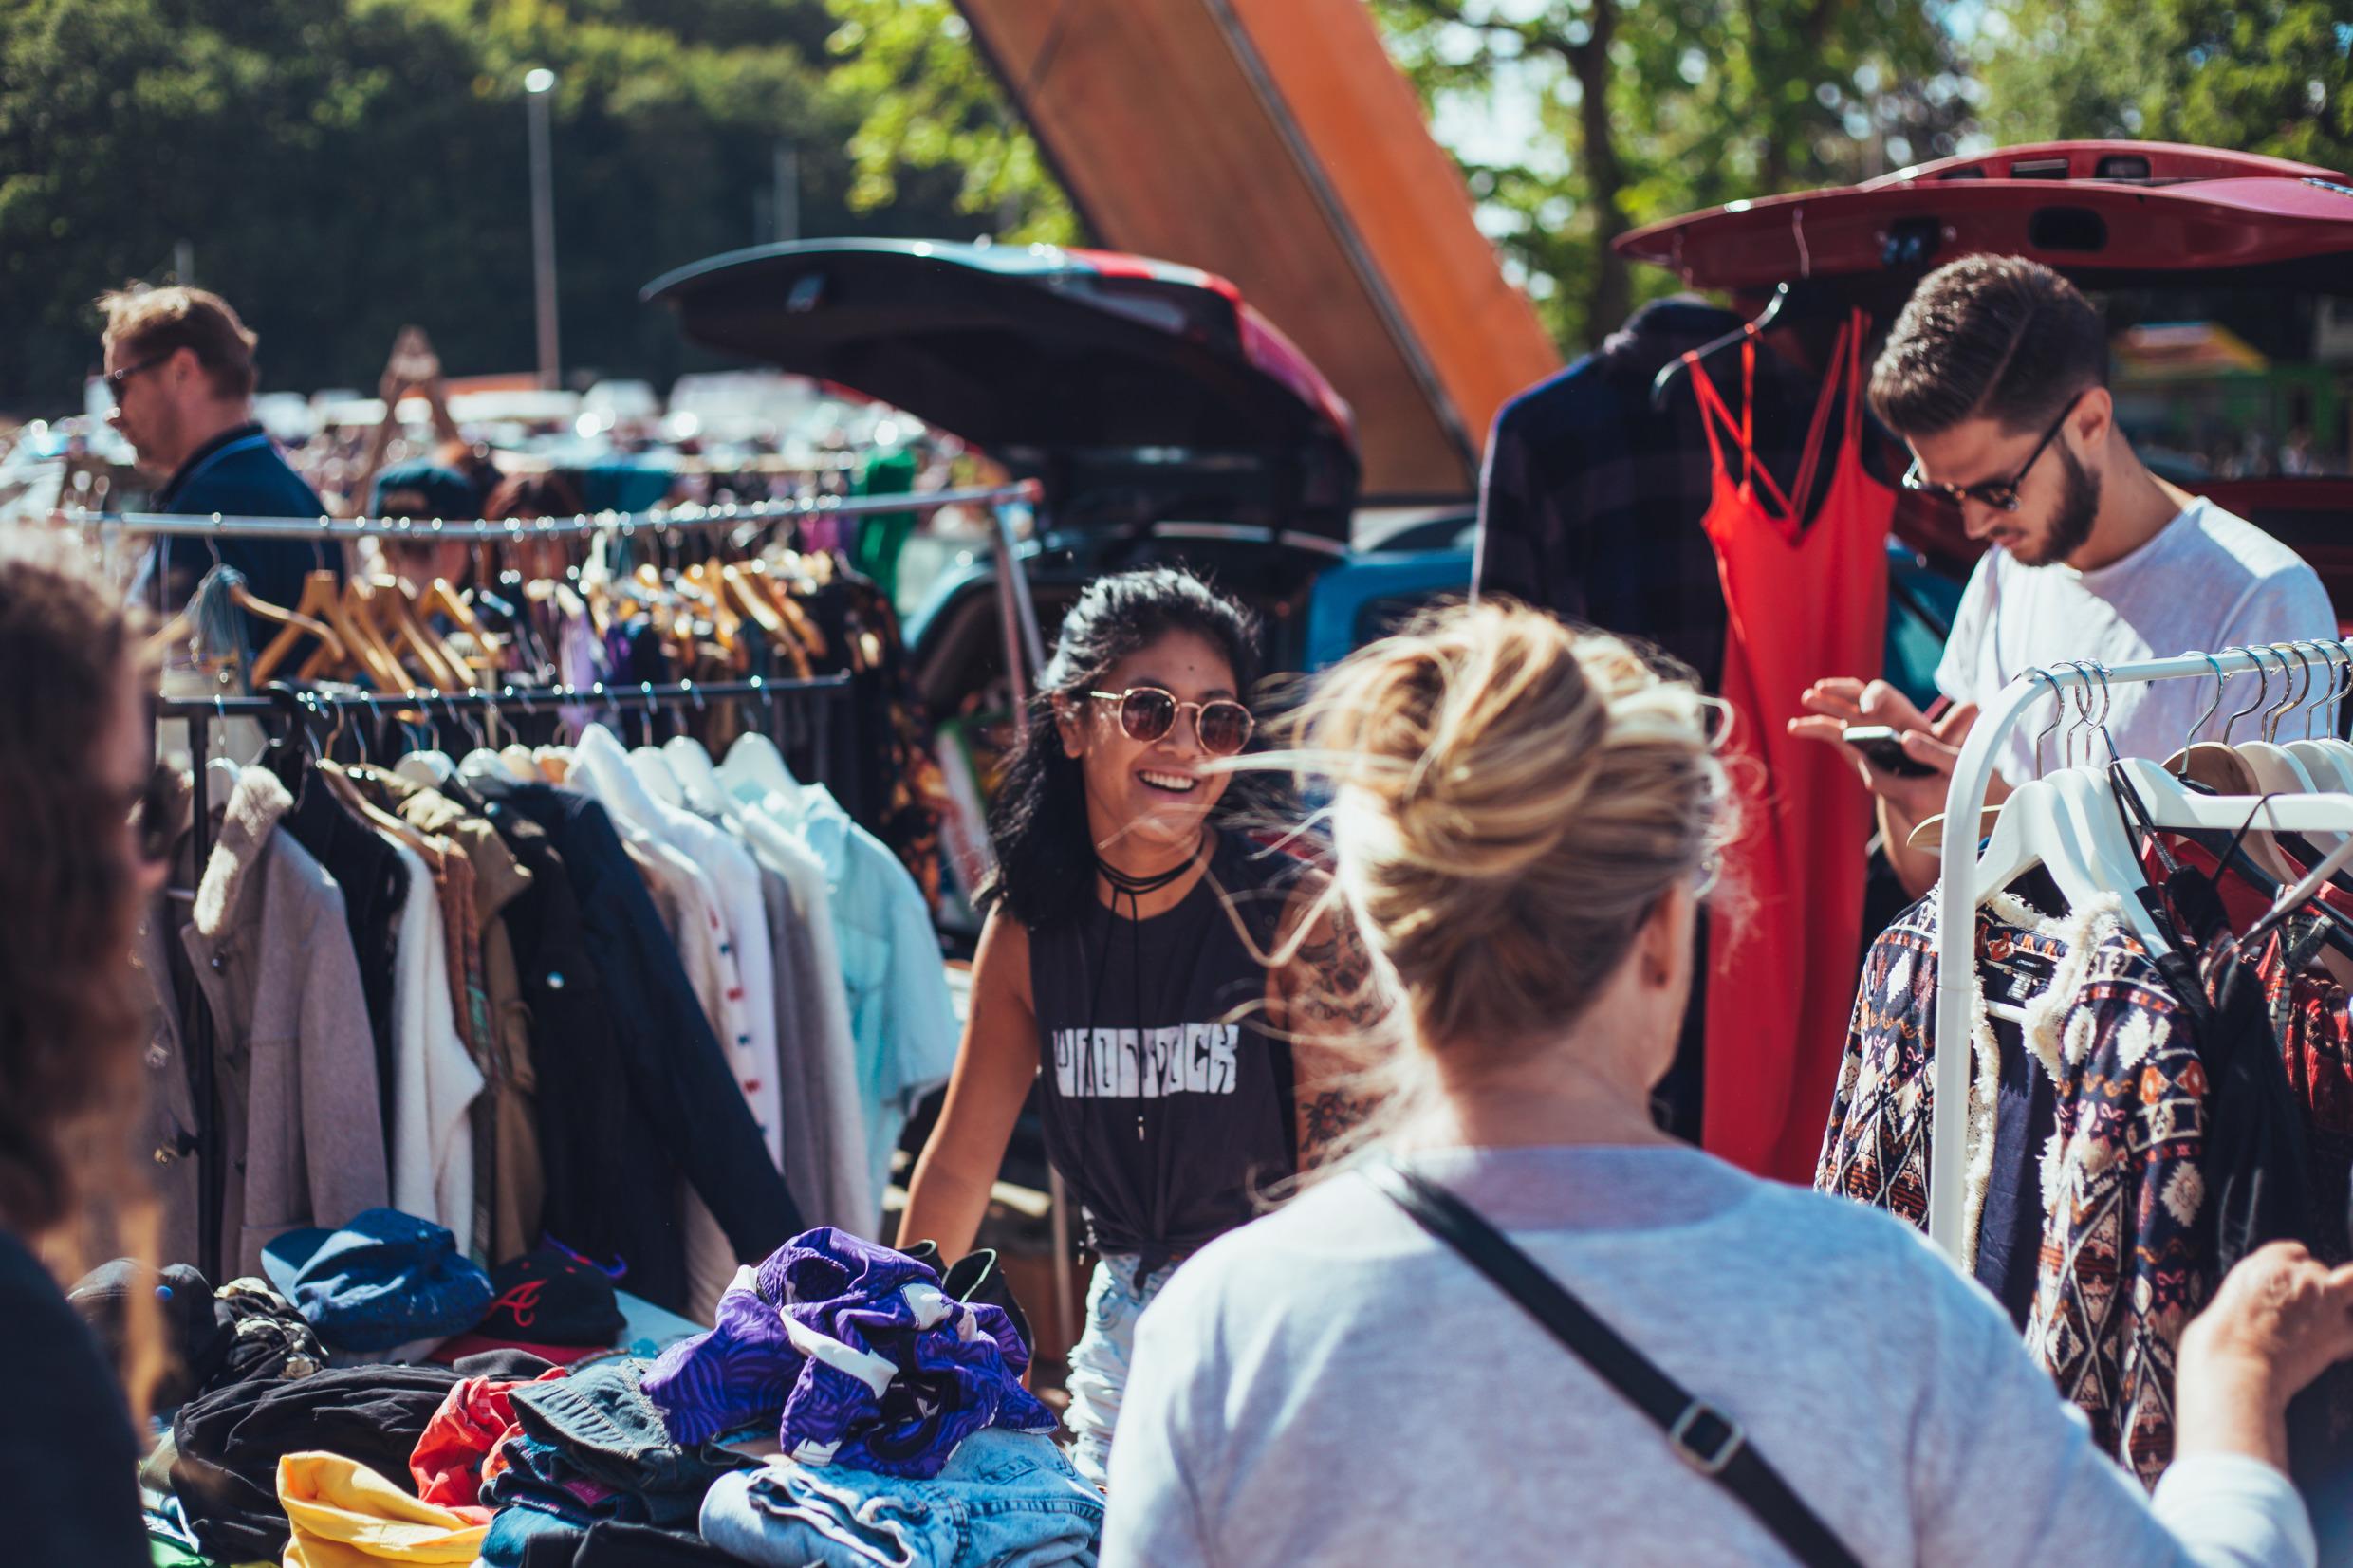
column 1004, row 1500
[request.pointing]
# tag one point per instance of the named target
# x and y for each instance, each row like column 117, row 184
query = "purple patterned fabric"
column 858, row 1355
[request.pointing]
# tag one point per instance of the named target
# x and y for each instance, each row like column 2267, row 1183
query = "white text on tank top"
column 1183, row 1059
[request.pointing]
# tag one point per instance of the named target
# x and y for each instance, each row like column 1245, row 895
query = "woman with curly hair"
column 77, row 791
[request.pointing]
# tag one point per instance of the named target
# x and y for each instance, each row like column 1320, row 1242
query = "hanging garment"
column 655, row 1098
column 295, row 1081
column 434, row 1079
column 824, row 1138
column 1803, row 604
column 2125, row 1254
column 902, row 1015
column 376, row 890
column 518, row 1187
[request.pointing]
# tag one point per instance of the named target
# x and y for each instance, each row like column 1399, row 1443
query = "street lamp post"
column 537, row 86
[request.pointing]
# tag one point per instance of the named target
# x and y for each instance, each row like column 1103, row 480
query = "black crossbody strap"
column 1706, row 1438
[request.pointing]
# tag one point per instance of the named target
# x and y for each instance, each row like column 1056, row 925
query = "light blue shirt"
column 901, row 1016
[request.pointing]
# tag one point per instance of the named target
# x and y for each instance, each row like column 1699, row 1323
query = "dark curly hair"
column 71, row 1039
column 1045, row 856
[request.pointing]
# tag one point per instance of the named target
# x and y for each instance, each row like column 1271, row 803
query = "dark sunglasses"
column 154, row 824
column 2001, row 494
column 1148, row 712
column 116, row 379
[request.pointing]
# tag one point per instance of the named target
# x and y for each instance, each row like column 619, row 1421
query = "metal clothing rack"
column 1949, row 1046
column 434, row 529
column 833, row 747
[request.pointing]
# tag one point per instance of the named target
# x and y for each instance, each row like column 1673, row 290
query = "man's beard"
column 2070, row 523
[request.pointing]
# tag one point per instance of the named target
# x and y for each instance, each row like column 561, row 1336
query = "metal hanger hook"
column 2107, row 705
column 2200, row 722
column 2290, row 694
column 2058, row 710
column 2084, row 723
column 2263, row 673
column 2338, row 689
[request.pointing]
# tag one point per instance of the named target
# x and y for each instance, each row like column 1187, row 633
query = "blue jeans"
column 1098, row 1362
column 1004, row 1498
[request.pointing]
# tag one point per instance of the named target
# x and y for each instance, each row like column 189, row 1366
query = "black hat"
column 197, row 1334
column 548, row 1303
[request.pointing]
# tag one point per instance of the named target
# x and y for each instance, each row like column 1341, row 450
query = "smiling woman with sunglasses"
column 1160, row 976
column 76, row 756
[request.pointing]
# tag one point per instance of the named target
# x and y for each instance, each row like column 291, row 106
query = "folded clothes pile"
column 857, row 1353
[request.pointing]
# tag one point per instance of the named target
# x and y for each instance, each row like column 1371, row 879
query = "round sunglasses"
column 1148, row 712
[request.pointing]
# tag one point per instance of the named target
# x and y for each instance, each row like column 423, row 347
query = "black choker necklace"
column 1135, row 887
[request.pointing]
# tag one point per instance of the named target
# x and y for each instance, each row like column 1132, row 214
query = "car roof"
column 2108, row 213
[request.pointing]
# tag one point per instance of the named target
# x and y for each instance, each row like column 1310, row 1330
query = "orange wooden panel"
column 1285, row 153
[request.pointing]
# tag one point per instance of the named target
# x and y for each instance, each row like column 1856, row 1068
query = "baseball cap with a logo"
column 548, row 1303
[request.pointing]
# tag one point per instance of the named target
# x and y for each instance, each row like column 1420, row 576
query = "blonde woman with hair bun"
column 1525, row 819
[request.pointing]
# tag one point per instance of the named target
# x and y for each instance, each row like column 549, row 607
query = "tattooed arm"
column 1328, row 1003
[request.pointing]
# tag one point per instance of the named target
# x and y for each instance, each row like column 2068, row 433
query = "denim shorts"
column 1099, row 1361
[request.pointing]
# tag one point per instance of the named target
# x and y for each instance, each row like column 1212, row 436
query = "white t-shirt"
column 2207, row 580
column 1331, row 1386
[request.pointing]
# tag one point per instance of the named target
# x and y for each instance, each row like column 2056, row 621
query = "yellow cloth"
column 347, row 1516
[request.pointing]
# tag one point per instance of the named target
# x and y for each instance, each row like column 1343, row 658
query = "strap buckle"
column 1708, row 1459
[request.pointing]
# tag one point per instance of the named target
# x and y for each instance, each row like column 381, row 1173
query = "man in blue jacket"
column 180, row 366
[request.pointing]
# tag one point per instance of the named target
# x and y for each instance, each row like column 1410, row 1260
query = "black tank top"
column 1167, row 1102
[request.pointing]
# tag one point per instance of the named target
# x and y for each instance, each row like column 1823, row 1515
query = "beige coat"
column 294, row 1062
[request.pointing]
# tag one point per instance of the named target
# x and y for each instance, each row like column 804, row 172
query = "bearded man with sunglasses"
column 179, row 365
column 1997, row 377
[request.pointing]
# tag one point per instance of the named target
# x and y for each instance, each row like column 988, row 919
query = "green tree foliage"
column 2259, row 76
column 340, row 167
column 1619, row 114
column 932, row 104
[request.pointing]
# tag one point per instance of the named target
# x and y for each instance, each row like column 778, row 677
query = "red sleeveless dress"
column 1807, row 600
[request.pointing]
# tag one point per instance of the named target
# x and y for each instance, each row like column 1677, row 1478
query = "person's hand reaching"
column 1842, row 701
column 2279, row 1321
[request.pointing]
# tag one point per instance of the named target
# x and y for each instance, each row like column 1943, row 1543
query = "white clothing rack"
column 437, row 530
column 1956, row 916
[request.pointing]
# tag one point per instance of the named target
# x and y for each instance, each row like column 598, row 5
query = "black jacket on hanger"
column 623, row 1108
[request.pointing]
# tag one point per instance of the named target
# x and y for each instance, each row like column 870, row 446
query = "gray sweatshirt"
column 1330, row 1385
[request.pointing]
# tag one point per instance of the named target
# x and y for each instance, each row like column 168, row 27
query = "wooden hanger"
column 354, row 620
column 397, row 617
column 309, row 617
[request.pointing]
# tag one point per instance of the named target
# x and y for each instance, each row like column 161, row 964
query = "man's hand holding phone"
column 1901, row 755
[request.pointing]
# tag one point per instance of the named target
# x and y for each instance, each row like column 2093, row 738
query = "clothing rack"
column 835, row 766
column 437, row 530
column 1949, row 1047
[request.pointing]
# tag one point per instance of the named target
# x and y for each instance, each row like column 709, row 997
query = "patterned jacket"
column 2122, row 1268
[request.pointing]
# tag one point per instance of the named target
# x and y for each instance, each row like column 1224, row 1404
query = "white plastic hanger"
column 2065, row 823
column 484, row 772
column 652, row 771
column 2326, row 758
column 698, row 777
column 756, row 768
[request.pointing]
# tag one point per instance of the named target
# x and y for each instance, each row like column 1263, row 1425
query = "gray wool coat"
column 294, row 1062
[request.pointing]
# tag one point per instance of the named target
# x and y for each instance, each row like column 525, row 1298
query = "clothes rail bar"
column 1949, row 1047
column 671, row 519
column 617, row 693
column 836, row 764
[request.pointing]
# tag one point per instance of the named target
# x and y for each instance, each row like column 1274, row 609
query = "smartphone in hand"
column 1883, row 747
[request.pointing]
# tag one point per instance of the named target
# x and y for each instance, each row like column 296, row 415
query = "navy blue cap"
column 433, row 490
column 385, row 1279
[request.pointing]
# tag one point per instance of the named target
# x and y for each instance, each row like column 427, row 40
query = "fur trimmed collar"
column 255, row 808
